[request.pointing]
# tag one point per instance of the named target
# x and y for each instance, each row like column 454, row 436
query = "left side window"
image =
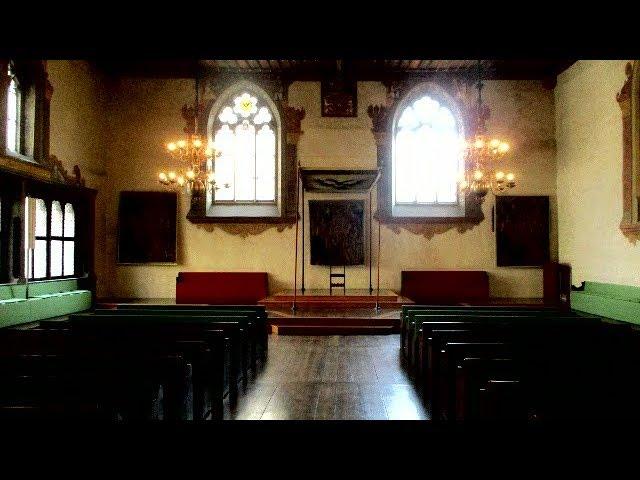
column 14, row 112
column 51, row 239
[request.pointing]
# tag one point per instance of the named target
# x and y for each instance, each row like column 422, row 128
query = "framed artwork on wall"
column 337, row 232
column 522, row 231
column 339, row 98
column 147, row 228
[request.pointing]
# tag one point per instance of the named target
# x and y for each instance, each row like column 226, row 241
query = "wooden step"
column 332, row 329
column 331, row 321
column 306, row 304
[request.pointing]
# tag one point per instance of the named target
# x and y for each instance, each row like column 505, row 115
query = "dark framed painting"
column 147, row 227
column 339, row 98
column 337, row 232
column 522, row 231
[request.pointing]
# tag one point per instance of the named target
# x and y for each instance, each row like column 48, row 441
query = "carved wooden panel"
column 337, row 232
column 339, row 98
column 147, row 227
column 522, row 231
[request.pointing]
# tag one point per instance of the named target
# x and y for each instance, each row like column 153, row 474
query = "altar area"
column 340, row 234
column 321, row 312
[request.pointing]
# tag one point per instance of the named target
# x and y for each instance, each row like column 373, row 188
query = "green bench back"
column 621, row 292
column 8, row 292
column 48, row 287
column 609, row 300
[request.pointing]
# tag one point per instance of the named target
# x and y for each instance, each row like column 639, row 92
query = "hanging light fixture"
column 482, row 154
column 195, row 169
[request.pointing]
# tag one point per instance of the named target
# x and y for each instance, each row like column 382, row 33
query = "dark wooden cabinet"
column 557, row 284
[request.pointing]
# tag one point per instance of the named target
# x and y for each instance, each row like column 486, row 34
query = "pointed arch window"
column 245, row 129
column 427, row 156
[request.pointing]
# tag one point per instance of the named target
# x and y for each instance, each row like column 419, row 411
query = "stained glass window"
column 427, row 155
column 245, row 133
column 13, row 113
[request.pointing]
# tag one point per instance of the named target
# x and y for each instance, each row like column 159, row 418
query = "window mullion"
column 49, row 204
column 63, row 206
column 255, row 164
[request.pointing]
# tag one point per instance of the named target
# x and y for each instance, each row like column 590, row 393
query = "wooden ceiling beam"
column 373, row 70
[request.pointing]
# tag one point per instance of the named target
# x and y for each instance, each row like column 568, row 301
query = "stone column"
column 624, row 100
column 381, row 130
column 292, row 120
column 4, row 86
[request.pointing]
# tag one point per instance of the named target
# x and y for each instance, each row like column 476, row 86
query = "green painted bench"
column 45, row 299
column 619, row 302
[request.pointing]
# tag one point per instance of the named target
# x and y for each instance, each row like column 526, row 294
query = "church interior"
column 203, row 241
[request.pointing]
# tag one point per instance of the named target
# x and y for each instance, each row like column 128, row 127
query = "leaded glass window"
column 53, row 253
column 245, row 132
column 427, row 158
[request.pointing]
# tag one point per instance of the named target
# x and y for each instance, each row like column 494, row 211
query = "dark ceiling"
column 313, row 69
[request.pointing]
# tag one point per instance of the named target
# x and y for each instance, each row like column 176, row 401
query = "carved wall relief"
column 244, row 230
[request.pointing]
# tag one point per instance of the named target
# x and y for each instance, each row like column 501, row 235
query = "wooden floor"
column 331, row 378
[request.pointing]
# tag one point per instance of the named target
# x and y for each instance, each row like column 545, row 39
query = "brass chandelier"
column 482, row 155
column 194, row 171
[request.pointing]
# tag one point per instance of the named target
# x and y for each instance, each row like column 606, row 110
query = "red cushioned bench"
column 445, row 287
column 222, row 288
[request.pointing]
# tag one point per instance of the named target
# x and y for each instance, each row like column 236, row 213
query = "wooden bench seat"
column 89, row 378
column 257, row 313
column 233, row 330
column 561, row 359
column 243, row 338
column 473, row 374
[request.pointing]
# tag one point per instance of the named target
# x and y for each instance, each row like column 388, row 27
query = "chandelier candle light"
column 481, row 157
column 195, row 156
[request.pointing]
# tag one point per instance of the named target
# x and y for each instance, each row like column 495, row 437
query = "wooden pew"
column 240, row 338
column 437, row 337
column 202, row 351
column 410, row 312
column 570, row 365
column 473, row 374
column 220, row 336
column 554, row 369
column 258, row 310
column 477, row 323
column 521, row 317
column 442, row 399
column 501, row 400
column 252, row 330
column 63, row 374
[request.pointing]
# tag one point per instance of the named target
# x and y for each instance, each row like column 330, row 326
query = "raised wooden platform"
column 330, row 321
column 315, row 299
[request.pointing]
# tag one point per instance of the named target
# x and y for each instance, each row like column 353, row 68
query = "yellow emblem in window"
column 245, row 105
